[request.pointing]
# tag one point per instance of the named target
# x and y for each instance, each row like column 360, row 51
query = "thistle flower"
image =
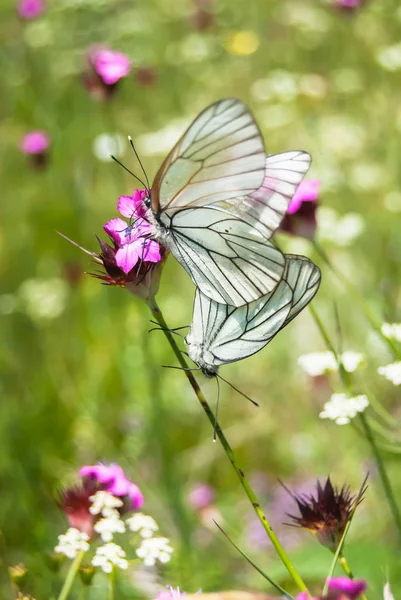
column 301, row 214
column 327, row 513
column 107, row 68
column 112, row 479
column 133, row 261
column 30, row 9
column 36, row 144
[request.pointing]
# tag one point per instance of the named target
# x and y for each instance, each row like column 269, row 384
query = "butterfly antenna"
column 180, row 368
column 237, row 390
column 139, row 160
column 126, row 169
column 217, row 411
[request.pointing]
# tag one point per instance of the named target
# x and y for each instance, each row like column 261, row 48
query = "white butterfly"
column 221, row 334
column 217, row 199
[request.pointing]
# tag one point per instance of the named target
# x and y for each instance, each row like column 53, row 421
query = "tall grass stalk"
column 296, row 577
column 72, row 572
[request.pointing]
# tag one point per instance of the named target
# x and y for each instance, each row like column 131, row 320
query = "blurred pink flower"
column 170, row 594
column 349, row 3
column 301, row 214
column 35, row 142
column 344, row 588
column 111, row 66
column 201, row 496
column 113, row 480
column 133, row 240
column 75, row 503
column 30, row 9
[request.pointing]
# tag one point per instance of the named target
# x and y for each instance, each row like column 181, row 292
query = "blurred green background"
column 82, row 378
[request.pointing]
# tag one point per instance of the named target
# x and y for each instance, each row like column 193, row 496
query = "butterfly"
column 220, row 334
column 217, row 199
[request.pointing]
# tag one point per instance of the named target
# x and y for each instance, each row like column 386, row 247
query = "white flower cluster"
column 391, row 372
column 319, row 363
column 142, row 524
column 341, row 408
column 153, row 549
column 72, row 542
column 109, row 556
column 105, row 504
column 108, row 526
column 392, row 331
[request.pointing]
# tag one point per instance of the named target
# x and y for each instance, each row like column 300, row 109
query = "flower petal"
column 126, row 206
column 151, row 251
column 116, row 228
column 128, row 255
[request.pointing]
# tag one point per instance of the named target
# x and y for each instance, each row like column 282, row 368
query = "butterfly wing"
column 304, row 277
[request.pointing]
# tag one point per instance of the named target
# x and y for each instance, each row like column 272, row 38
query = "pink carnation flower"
column 301, row 213
column 113, row 480
column 30, row 9
column 35, row 142
column 133, row 240
column 111, row 66
column 307, row 191
column 342, row 587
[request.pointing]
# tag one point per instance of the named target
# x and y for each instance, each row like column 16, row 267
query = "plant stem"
column 156, row 312
column 382, row 472
column 69, row 580
column 112, row 580
column 344, row 563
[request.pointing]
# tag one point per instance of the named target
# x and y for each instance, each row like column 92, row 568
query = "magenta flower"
column 133, row 240
column 35, row 142
column 30, row 9
column 301, row 214
column 344, row 588
column 112, row 479
column 111, row 66
column 170, row 594
column 349, row 3
column 201, row 496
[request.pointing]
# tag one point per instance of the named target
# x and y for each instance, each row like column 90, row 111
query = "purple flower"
column 201, row 496
column 35, row 142
column 111, row 66
column 301, row 214
column 305, row 596
column 30, row 9
column 133, row 240
column 344, row 588
column 112, row 479
column 170, row 594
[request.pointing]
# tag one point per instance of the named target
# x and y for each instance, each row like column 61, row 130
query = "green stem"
column 344, row 563
column 112, row 580
column 156, row 312
column 382, row 472
column 69, row 580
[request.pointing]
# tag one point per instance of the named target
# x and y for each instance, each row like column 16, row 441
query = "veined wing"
column 220, row 156
column 304, row 277
column 265, row 208
column 229, row 261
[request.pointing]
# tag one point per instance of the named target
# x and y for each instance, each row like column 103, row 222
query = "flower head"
column 342, row 407
column 342, row 588
column 170, row 594
column 108, row 526
column 326, row 513
column 301, row 213
column 349, row 5
column 30, row 9
column 319, row 363
column 35, row 142
column 391, row 372
column 142, row 524
column 153, row 549
column 108, row 556
column 392, row 331
column 72, row 542
column 113, row 480
column 107, row 68
column 76, row 503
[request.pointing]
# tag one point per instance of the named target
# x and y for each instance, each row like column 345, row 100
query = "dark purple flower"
column 75, row 503
column 112, row 479
column 30, row 9
column 349, row 5
column 343, row 588
column 301, row 214
column 327, row 512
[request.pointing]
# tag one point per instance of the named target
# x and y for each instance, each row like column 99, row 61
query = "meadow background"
column 81, row 377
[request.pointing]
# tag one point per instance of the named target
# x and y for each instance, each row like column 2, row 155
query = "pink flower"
column 301, row 213
column 111, row 66
column 349, row 3
column 75, row 503
column 305, row 596
column 35, row 142
column 133, row 240
column 170, row 594
column 30, row 9
column 201, row 496
column 343, row 588
column 113, row 480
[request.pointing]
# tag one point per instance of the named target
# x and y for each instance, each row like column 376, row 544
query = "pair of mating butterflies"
column 215, row 203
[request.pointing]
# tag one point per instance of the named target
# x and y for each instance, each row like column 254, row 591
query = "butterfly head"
column 199, row 355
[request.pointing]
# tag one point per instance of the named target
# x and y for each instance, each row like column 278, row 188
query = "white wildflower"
column 109, row 556
column 392, row 331
column 319, row 363
column 341, row 408
column 144, row 524
column 108, row 526
column 105, row 504
column 391, row 372
column 153, row 549
column 72, row 542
